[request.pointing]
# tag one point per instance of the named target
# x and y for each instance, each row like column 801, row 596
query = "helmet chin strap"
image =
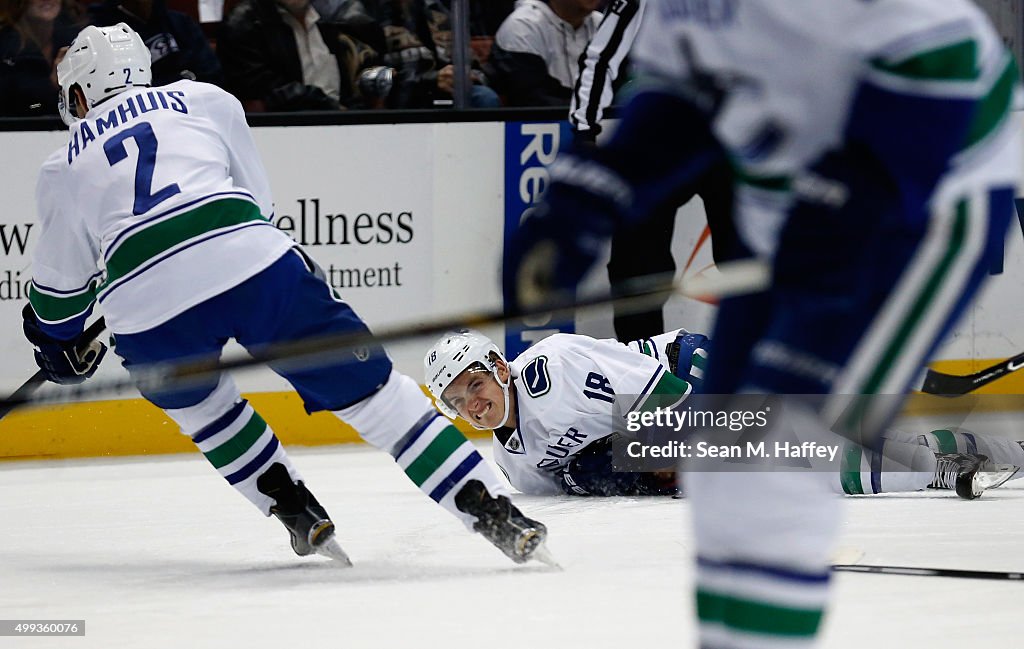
column 504, row 390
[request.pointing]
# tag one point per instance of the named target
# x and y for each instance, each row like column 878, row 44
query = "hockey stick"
column 28, row 388
column 952, row 385
column 736, row 278
column 929, row 572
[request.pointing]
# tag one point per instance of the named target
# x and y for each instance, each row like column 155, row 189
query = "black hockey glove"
column 67, row 362
column 590, row 473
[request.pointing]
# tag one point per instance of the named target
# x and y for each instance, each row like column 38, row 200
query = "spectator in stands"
column 31, row 34
column 537, row 49
column 176, row 42
column 485, row 17
column 348, row 12
column 279, row 55
column 419, row 49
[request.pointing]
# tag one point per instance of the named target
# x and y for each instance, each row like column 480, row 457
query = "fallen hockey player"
column 552, row 407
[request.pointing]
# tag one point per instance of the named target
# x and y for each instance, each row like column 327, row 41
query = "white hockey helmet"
column 454, row 353
column 102, row 61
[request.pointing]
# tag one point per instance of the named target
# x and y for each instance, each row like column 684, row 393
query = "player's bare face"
column 477, row 397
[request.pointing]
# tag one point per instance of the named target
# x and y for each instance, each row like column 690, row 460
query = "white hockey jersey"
column 789, row 70
column 158, row 202
column 566, row 387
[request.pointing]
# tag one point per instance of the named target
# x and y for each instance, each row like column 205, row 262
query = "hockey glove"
column 687, row 357
column 590, row 473
column 66, row 362
column 559, row 242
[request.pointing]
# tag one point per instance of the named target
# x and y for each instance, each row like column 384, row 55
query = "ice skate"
column 969, row 475
column 501, row 523
column 308, row 524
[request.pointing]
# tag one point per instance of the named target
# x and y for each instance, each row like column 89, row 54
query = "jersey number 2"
column 145, row 139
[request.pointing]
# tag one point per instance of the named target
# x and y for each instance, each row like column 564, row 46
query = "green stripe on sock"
column 761, row 618
column 946, row 440
column 145, row 244
column 849, row 472
column 241, row 442
column 444, row 445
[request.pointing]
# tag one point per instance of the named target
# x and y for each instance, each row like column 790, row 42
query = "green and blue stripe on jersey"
column 62, row 313
column 164, row 235
column 940, row 65
column 663, row 390
column 138, row 248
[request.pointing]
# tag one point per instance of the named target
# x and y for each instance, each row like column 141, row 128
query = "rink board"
column 408, row 222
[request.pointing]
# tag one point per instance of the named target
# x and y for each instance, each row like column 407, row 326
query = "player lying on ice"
column 158, row 208
column 551, row 407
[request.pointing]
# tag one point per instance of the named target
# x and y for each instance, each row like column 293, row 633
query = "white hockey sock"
column 1000, row 450
column 235, row 440
column 433, row 453
column 764, row 540
column 899, row 466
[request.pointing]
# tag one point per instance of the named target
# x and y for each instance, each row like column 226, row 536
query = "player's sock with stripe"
column 241, row 446
column 999, row 449
column 744, row 605
column 235, row 440
column 896, row 466
column 438, row 458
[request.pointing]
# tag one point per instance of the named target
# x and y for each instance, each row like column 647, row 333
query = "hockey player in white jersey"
column 553, row 401
column 554, row 414
column 158, row 209
column 877, row 163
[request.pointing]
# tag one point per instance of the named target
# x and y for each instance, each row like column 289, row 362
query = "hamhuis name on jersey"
column 127, row 110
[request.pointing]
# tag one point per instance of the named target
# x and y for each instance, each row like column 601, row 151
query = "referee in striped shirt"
column 645, row 249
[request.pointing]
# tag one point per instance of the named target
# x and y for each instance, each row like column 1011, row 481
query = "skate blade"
column 332, row 550
column 542, row 554
column 996, row 475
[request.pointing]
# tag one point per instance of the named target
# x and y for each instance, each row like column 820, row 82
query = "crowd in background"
column 294, row 55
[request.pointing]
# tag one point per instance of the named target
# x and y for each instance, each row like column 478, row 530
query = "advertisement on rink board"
column 362, row 210
column 529, row 148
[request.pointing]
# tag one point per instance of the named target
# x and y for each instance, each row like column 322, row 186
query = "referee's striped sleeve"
column 600, row 63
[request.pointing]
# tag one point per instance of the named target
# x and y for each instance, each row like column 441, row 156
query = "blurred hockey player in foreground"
column 164, row 190
column 554, row 415
column 877, row 163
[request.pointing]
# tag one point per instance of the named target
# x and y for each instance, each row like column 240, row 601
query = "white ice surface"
column 160, row 552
